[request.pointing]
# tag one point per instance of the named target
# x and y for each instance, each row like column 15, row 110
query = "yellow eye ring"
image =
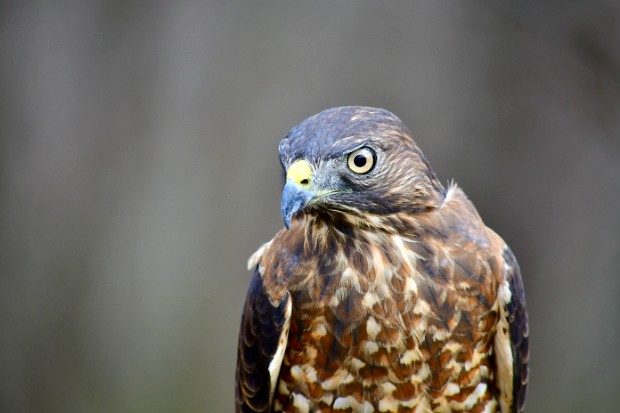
column 362, row 160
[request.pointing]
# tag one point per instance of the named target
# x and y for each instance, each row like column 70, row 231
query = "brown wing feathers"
column 519, row 332
column 262, row 325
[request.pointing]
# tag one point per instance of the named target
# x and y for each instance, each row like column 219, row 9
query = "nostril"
column 305, row 181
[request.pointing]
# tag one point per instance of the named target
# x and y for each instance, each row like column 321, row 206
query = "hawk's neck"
column 346, row 265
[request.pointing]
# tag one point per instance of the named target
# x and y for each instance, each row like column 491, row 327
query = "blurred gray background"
column 139, row 170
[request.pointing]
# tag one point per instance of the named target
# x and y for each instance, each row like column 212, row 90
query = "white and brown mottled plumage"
column 387, row 293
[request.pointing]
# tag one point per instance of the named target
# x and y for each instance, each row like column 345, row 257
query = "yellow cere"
column 300, row 173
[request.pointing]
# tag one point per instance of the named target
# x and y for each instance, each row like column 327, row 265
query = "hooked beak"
column 296, row 193
column 294, row 199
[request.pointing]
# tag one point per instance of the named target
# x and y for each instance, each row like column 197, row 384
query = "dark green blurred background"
column 139, row 170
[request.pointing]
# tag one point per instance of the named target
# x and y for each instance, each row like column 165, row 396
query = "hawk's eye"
column 362, row 160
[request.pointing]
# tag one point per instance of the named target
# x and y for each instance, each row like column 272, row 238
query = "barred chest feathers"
column 380, row 322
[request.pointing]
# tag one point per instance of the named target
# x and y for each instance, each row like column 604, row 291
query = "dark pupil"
column 359, row 160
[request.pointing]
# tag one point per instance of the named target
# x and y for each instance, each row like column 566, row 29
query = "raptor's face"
column 354, row 160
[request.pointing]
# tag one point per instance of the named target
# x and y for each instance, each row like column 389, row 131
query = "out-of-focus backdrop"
column 139, row 170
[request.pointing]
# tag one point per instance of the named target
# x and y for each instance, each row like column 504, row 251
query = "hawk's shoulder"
column 463, row 251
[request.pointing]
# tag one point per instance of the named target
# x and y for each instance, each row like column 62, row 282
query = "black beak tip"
column 287, row 220
column 294, row 199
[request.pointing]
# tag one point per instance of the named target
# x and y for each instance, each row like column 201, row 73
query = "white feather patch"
column 276, row 362
column 256, row 257
column 450, row 192
column 302, row 404
column 503, row 350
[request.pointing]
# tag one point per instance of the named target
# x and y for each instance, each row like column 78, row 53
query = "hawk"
column 385, row 292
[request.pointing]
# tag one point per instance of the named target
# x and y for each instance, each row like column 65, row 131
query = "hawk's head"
column 355, row 160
